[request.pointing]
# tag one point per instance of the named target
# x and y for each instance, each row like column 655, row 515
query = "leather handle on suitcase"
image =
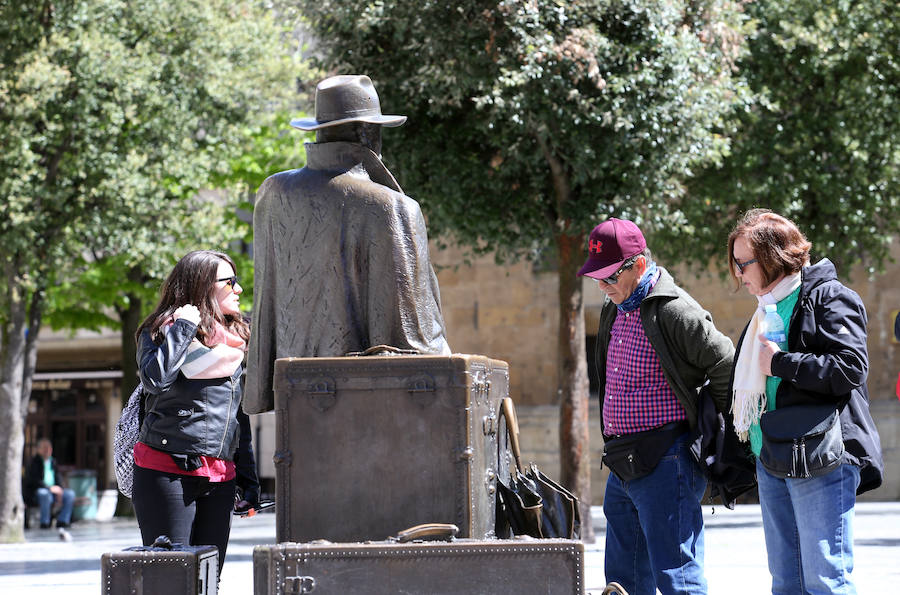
column 382, row 350
column 444, row 531
column 508, row 410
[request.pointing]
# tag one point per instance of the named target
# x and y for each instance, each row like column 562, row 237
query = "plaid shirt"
column 637, row 396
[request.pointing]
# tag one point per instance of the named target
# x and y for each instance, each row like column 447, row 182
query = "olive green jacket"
column 689, row 346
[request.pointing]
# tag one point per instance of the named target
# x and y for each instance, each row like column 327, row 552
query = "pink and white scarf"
column 219, row 361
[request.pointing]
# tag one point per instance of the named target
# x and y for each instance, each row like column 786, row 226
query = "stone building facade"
column 505, row 312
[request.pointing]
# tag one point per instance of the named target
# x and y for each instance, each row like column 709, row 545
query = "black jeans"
column 189, row 510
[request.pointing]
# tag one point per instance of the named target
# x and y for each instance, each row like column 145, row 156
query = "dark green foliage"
column 824, row 146
column 532, row 119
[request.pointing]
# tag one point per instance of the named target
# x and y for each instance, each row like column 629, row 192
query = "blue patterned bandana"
column 642, row 289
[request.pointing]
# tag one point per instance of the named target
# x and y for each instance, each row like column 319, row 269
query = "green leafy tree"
column 113, row 115
column 116, row 289
column 271, row 146
column 823, row 148
column 531, row 122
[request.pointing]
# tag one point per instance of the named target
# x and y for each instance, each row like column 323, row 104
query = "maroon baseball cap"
column 611, row 243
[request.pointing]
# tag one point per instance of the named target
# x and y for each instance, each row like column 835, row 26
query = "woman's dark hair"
column 193, row 281
column 778, row 245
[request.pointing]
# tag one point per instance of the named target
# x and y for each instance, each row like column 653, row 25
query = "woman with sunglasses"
column 194, row 450
column 820, row 366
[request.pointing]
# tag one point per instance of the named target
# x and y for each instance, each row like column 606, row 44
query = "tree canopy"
column 823, row 146
column 113, row 115
column 616, row 100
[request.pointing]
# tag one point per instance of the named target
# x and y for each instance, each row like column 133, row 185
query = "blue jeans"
column 808, row 525
column 654, row 527
column 45, row 499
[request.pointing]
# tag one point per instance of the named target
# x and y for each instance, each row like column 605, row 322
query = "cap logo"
column 595, row 246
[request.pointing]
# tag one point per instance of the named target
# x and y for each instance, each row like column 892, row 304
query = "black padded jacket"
column 827, row 361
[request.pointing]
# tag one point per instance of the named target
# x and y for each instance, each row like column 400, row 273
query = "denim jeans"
column 808, row 524
column 187, row 509
column 46, row 498
column 654, row 527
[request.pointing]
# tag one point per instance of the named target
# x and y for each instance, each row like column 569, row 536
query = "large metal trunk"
column 461, row 567
column 367, row 446
column 181, row 570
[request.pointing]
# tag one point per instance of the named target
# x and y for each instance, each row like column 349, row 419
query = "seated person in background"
column 43, row 487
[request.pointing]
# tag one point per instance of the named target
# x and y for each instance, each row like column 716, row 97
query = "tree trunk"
column 12, row 436
column 35, row 315
column 574, row 437
column 130, row 318
column 572, row 388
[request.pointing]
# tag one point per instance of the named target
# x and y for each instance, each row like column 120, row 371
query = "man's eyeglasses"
column 229, row 281
column 614, row 278
column 741, row 265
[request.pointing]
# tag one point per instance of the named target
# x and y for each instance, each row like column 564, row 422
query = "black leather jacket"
column 184, row 416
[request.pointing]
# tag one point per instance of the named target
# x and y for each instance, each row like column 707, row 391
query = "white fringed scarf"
column 749, row 401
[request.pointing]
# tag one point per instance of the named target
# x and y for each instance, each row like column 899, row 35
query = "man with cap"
column 340, row 253
column 656, row 347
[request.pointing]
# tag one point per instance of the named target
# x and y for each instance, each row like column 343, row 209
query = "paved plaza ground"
column 735, row 554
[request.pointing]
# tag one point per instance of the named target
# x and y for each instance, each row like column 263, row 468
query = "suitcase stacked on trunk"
column 369, row 446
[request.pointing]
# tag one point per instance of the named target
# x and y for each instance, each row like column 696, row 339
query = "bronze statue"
column 340, row 253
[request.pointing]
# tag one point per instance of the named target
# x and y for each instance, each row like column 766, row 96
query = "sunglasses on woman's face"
column 741, row 265
column 229, row 281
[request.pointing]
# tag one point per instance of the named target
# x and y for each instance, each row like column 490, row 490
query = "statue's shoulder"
column 283, row 180
column 374, row 192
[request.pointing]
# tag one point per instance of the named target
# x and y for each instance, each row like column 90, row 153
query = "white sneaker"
column 65, row 535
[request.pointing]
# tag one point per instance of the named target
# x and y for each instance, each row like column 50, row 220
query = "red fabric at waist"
column 217, row 470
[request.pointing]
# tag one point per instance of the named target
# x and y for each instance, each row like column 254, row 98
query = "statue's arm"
column 258, row 393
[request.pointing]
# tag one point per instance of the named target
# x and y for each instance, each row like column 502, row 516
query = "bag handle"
column 443, row 531
column 508, row 410
column 382, row 350
column 163, row 542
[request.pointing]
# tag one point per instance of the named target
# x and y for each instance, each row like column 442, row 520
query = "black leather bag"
column 529, row 502
column 635, row 455
column 801, row 441
column 726, row 461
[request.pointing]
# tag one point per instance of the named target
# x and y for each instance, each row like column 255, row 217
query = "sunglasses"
column 741, row 265
column 614, row 278
column 229, row 281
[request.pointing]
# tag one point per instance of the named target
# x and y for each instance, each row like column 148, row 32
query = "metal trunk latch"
column 489, row 424
column 320, row 392
column 299, row 584
column 421, row 389
column 481, row 384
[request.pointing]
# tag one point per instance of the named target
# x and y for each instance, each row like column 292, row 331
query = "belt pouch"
column 635, row 455
column 801, row 441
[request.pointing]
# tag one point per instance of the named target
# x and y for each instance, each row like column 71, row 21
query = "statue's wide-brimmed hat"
column 344, row 99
